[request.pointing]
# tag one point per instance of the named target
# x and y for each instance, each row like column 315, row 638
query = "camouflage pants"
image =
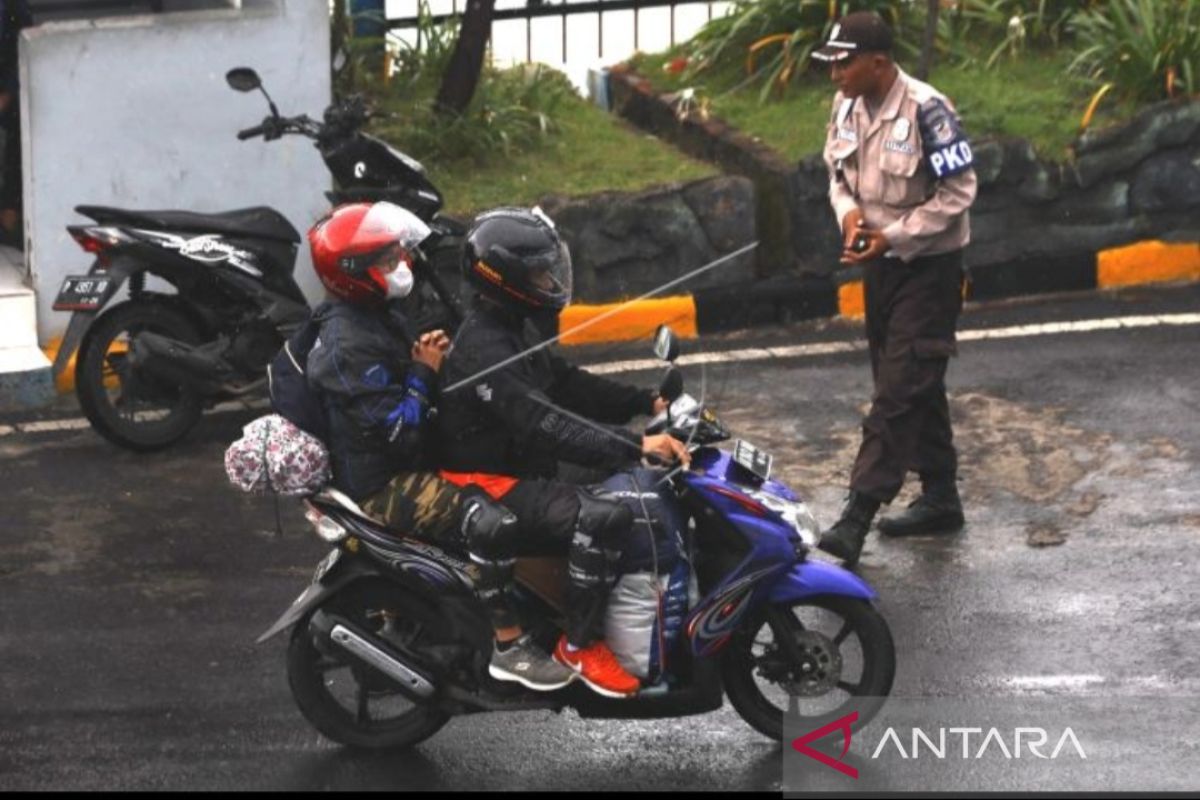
column 421, row 503
column 431, row 508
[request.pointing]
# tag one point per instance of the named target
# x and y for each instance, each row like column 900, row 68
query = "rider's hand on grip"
column 666, row 449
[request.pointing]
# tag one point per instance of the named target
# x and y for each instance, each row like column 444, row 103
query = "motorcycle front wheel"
column 125, row 406
column 352, row 704
column 816, row 659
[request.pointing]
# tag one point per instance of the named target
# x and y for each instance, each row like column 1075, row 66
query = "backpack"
column 291, row 395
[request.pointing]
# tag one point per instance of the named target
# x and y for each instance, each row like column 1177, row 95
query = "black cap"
column 860, row 32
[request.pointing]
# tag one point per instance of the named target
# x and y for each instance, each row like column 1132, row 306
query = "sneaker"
column 598, row 668
column 530, row 666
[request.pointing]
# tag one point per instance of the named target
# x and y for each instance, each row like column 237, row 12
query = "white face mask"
column 399, row 283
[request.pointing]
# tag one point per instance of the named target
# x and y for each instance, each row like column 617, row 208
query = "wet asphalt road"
column 132, row 587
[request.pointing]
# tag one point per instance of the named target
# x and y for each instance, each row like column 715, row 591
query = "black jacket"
column 505, row 422
column 376, row 399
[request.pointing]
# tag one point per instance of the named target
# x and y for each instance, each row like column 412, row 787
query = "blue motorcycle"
column 389, row 642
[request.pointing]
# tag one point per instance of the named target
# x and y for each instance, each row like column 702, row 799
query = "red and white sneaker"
column 598, row 668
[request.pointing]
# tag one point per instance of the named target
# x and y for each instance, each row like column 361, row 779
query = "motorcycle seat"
column 259, row 222
column 331, row 496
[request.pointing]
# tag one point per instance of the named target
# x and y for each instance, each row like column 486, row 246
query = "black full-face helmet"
column 515, row 257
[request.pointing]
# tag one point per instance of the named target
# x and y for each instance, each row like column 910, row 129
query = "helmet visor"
column 391, row 223
column 549, row 277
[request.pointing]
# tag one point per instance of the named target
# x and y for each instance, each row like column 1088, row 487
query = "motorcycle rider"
column 513, row 417
column 378, row 404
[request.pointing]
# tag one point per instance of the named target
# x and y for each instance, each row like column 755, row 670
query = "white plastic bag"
column 631, row 620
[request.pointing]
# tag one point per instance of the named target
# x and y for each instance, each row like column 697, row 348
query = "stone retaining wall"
column 1137, row 181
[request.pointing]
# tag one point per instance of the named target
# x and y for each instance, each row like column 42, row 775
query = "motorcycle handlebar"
column 250, row 133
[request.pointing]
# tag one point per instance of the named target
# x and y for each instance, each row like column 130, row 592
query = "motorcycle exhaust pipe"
column 374, row 653
column 180, row 363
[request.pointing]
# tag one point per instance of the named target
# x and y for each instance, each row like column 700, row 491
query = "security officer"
column 901, row 181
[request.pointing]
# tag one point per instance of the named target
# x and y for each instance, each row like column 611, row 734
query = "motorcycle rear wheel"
column 134, row 411
column 841, row 659
column 336, row 695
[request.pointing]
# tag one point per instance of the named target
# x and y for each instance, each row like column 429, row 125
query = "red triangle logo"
column 800, row 745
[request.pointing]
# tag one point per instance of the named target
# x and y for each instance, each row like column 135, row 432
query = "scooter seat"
column 259, row 222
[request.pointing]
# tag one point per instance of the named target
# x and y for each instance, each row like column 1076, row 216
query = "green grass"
column 1031, row 97
column 593, row 152
column 588, row 151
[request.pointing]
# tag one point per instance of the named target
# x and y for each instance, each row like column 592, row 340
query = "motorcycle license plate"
column 750, row 458
column 84, row 293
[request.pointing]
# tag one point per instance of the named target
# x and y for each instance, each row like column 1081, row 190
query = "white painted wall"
column 135, row 112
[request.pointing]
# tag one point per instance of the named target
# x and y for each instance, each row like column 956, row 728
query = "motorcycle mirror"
column 243, row 79
column 672, row 385
column 666, row 344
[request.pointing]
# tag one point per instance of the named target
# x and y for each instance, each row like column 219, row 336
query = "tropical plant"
column 426, row 58
column 1010, row 26
column 774, row 38
column 511, row 111
column 1148, row 49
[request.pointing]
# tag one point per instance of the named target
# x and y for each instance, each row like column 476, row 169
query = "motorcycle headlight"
column 794, row 513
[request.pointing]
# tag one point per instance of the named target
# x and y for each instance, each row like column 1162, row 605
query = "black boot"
column 845, row 539
column 937, row 511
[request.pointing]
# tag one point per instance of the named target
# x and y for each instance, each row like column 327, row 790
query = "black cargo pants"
column 911, row 315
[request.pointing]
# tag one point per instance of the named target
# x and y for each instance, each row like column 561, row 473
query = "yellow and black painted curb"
column 795, row 298
column 790, row 299
column 1135, row 264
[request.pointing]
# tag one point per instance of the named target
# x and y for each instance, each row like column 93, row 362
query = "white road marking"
column 744, row 355
column 1053, row 681
column 828, row 348
column 52, row 425
column 1099, row 685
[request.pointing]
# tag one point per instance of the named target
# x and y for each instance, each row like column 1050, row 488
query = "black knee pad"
column 489, row 529
column 607, row 522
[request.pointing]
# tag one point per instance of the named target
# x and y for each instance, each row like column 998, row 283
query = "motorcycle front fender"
column 119, row 271
column 809, row 578
column 343, row 573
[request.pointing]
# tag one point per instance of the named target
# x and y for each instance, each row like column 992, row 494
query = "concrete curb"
column 786, row 299
column 794, row 298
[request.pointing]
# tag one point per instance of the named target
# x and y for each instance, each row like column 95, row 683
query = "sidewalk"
column 24, row 369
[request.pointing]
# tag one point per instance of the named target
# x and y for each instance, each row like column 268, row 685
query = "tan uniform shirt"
column 908, row 170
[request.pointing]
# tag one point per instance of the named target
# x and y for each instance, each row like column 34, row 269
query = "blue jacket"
column 376, row 398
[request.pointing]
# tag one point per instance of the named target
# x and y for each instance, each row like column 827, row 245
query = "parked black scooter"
column 149, row 365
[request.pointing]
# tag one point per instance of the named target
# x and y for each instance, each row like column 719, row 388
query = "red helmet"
column 363, row 252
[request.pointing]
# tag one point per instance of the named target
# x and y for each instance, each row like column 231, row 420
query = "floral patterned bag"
column 274, row 455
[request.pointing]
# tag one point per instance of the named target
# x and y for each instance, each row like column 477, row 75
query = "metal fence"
column 535, row 9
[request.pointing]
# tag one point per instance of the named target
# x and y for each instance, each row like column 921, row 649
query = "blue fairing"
column 772, row 571
column 720, row 464
column 810, row 578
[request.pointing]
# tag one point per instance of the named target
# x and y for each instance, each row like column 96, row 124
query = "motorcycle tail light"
column 97, row 239
column 328, row 529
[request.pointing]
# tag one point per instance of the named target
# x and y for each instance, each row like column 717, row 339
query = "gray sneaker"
column 529, row 665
